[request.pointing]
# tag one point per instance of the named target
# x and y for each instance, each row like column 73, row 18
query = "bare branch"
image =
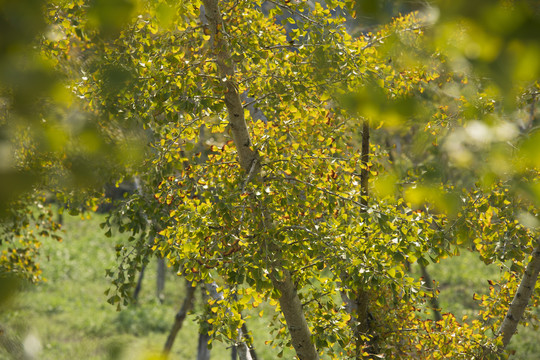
column 295, row 12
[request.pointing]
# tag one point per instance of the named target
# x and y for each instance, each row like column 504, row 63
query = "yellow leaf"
column 153, row 28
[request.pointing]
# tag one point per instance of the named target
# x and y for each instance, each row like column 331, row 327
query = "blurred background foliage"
column 53, row 147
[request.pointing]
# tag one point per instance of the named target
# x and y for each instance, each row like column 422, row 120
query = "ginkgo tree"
column 266, row 164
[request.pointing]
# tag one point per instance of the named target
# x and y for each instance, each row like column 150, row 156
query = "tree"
column 306, row 206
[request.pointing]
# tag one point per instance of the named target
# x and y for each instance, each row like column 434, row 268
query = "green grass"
column 459, row 278
column 69, row 314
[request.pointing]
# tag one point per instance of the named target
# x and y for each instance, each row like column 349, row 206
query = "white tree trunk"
column 249, row 161
column 242, row 348
column 521, row 298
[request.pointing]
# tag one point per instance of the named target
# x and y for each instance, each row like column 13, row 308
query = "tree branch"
column 295, row 12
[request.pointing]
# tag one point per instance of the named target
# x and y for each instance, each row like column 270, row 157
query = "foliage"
column 72, row 319
column 20, row 237
column 454, row 89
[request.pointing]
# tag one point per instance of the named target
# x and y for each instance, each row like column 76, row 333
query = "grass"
column 69, row 314
column 459, row 278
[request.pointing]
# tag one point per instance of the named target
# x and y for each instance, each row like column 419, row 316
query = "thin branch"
column 532, row 108
column 329, row 192
column 295, row 12
column 290, row 45
column 258, row 100
column 316, row 299
column 375, row 41
column 295, row 227
column 250, row 174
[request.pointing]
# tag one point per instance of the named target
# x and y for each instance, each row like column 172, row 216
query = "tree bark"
column 179, row 318
column 160, row 281
column 240, row 348
column 243, row 344
column 237, row 121
column 291, row 307
column 243, row 351
column 139, row 284
column 250, row 162
column 435, row 307
column 249, row 342
column 362, row 296
column 209, row 289
column 521, row 298
column 203, row 352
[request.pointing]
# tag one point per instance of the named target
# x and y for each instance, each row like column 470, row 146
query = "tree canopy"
column 300, row 153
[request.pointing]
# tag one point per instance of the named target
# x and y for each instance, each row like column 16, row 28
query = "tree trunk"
column 249, row 341
column 179, row 318
column 232, row 99
column 291, row 307
column 249, row 161
column 362, row 297
column 521, row 298
column 139, row 284
column 203, row 352
column 434, row 301
column 241, row 348
column 362, row 323
column 160, row 281
column 245, row 342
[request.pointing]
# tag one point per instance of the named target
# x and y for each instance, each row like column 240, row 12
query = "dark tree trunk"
column 249, row 342
column 203, row 352
column 179, row 318
column 434, row 301
column 241, row 348
column 363, row 327
column 244, row 349
column 139, row 284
